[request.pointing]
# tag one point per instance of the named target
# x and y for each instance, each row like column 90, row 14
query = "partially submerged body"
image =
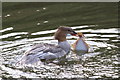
column 80, row 45
column 48, row 52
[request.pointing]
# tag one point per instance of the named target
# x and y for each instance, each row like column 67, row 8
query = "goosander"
column 46, row 52
column 80, row 44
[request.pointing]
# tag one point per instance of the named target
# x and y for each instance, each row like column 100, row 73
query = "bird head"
column 79, row 34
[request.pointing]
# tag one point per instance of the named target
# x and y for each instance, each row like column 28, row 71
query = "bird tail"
column 28, row 59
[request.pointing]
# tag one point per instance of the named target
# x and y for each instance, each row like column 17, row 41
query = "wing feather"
column 43, row 51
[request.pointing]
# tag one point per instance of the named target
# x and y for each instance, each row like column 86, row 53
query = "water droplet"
column 8, row 15
column 44, row 8
column 45, row 22
column 38, row 24
column 37, row 10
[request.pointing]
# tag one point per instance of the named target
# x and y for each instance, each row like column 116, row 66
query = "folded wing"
column 42, row 51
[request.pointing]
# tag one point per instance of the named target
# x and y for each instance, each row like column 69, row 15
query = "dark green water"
column 25, row 24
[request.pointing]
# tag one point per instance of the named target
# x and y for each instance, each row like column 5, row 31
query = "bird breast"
column 80, row 45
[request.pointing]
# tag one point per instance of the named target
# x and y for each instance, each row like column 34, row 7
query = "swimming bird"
column 80, row 44
column 49, row 52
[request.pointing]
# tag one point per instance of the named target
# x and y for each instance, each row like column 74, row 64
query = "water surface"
column 27, row 24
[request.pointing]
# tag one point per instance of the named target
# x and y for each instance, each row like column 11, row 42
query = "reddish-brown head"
column 62, row 31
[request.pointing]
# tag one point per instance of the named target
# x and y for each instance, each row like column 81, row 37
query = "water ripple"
column 93, row 64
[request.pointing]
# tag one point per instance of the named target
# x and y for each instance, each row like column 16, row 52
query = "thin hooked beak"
column 73, row 33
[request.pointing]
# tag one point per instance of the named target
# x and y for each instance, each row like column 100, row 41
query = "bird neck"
column 65, row 46
column 60, row 36
column 80, row 38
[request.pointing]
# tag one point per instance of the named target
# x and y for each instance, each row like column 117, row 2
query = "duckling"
column 80, row 44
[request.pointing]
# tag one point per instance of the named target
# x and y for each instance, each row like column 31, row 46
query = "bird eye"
column 69, row 30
